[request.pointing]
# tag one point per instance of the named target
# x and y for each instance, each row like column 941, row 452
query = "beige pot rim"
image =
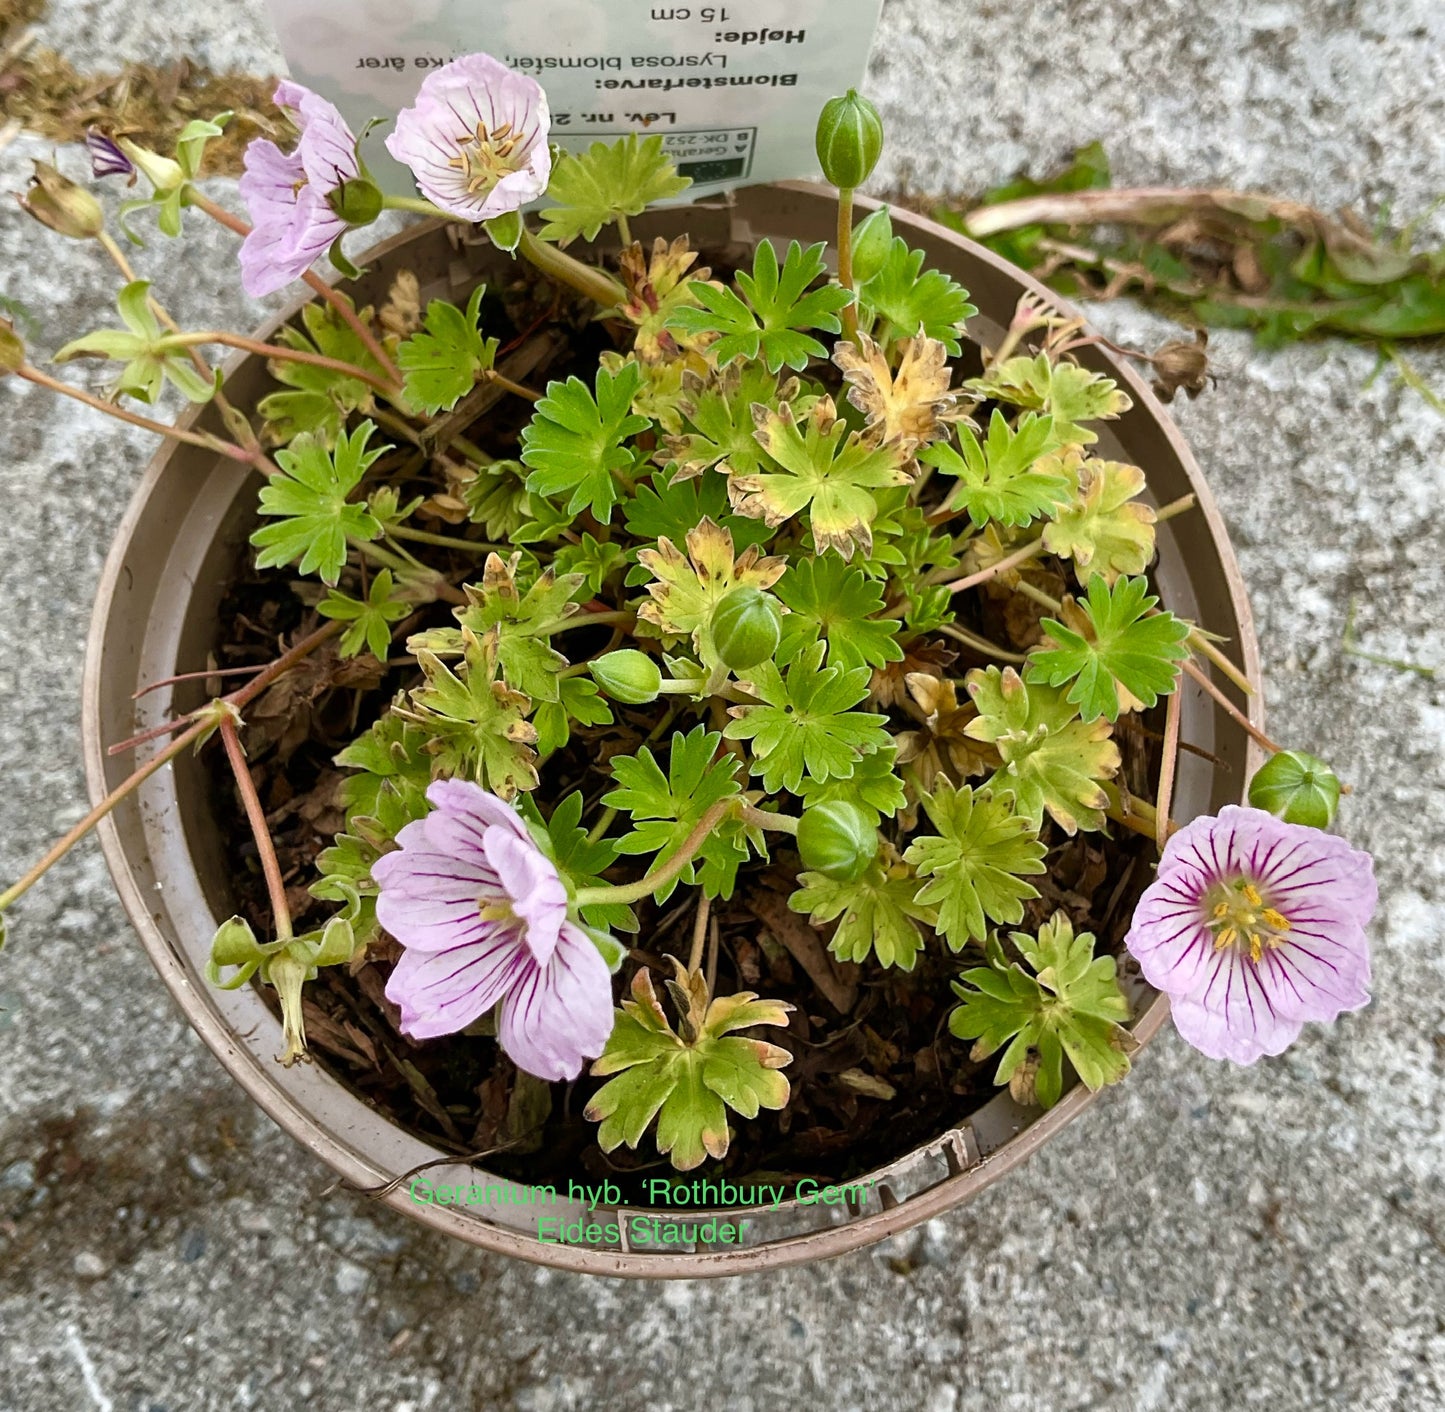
column 156, row 606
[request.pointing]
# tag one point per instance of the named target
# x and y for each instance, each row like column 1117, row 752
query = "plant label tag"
column 733, row 89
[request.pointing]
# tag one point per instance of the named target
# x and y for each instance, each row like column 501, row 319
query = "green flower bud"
column 850, row 140
column 12, row 349
column 357, row 202
column 56, row 201
column 746, row 628
column 838, row 840
column 628, row 676
column 1296, row 787
column 871, row 241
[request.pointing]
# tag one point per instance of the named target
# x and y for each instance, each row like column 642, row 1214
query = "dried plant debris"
column 45, row 93
column 1215, row 258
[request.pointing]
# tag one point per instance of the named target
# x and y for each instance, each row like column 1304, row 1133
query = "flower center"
column 1239, row 918
column 484, row 157
column 493, row 910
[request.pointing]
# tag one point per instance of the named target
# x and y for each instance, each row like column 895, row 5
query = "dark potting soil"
column 875, row 1071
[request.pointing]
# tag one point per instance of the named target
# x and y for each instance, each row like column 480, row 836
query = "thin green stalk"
column 445, row 541
column 604, row 822
column 660, row 876
column 766, row 819
column 556, row 264
column 845, row 261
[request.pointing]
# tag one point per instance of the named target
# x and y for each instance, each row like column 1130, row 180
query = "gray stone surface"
column 1205, row 1237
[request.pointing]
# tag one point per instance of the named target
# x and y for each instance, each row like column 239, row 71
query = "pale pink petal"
column 452, row 101
column 534, row 889
column 559, row 1015
column 441, row 992
column 1225, row 1003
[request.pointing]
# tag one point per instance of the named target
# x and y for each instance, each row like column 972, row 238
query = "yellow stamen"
column 1240, row 918
column 484, row 157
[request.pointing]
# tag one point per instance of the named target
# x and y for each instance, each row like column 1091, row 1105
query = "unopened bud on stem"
column 850, row 140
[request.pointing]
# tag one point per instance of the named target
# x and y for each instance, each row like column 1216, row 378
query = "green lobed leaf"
column 1002, row 479
column 1051, row 760
column 804, row 726
column 770, row 319
column 877, row 916
column 476, row 724
column 1128, row 659
column 836, row 602
column 1103, row 529
column 665, row 809
column 308, row 502
column 592, row 189
column 369, row 619
column 978, row 861
column 904, row 299
column 444, row 359
column 574, row 441
column 1068, row 394
column 1071, row 1005
column 686, row 1085
column 823, row 468
column 874, row 786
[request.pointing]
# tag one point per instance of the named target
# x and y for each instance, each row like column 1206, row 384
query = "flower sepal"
column 505, row 231
column 358, row 201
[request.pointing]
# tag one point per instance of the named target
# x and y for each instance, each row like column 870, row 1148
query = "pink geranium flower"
column 1252, row 927
column 482, row 914
column 476, row 138
column 287, row 193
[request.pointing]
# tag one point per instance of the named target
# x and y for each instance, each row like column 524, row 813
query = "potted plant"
column 710, row 762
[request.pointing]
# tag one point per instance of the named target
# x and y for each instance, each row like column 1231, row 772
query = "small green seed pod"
column 1296, row 787
column 628, row 676
column 357, row 202
column 871, row 240
column 746, row 628
column 838, row 840
column 850, row 140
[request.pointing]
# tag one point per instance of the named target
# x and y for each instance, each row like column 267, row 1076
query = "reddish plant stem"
column 260, row 831
column 73, row 835
column 200, row 723
column 204, row 674
column 191, row 438
column 1230, row 708
column 334, row 297
column 1168, row 768
column 286, row 355
column 1031, row 550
